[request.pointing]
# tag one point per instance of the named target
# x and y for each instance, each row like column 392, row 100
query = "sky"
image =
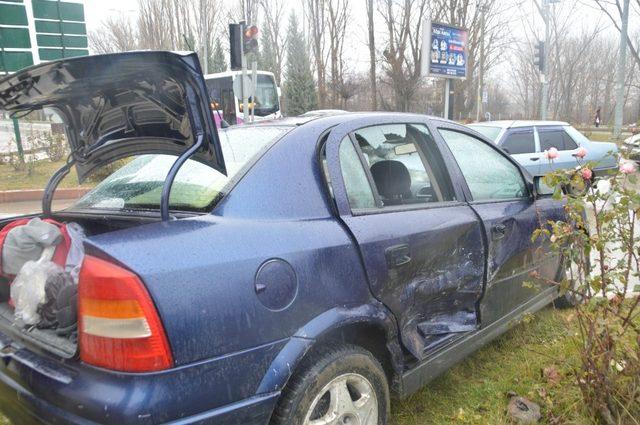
column 525, row 18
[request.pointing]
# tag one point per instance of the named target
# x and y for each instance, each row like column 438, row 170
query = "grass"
column 474, row 392
column 10, row 179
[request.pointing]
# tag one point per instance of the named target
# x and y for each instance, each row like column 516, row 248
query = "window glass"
column 355, row 178
column 569, row 143
column 551, row 139
column 488, row 173
column 402, row 172
column 137, row 183
column 520, row 142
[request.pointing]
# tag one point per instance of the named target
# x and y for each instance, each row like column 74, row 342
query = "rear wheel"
column 343, row 385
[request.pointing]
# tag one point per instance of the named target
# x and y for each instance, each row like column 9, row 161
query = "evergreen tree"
column 267, row 55
column 218, row 61
column 300, row 89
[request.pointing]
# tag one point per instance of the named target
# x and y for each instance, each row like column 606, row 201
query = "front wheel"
column 342, row 385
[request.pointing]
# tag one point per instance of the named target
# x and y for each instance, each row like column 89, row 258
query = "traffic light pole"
column 245, row 100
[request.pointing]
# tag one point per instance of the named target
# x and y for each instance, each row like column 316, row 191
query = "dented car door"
column 499, row 193
column 422, row 247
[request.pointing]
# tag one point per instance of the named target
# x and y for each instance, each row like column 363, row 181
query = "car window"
column 355, row 179
column 401, row 170
column 488, row 173
column 556, row 138
column 137, row 182
column 519, row 142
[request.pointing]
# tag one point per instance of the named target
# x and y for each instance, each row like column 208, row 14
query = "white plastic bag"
column 27, row 289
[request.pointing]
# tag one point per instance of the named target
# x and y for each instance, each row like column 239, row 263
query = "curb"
column 7, row 196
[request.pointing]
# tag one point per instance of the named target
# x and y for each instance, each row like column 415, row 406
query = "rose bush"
column 598, row 242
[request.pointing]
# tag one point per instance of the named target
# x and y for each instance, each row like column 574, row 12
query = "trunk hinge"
column 166, row 189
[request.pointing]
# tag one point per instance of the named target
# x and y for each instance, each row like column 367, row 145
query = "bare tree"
column 273, row 12
column 116, row 34
column 613, row 10
column 338, row 13
column 403, row 19
column 316, row 12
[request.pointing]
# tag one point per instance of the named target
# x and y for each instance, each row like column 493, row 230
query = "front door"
column 500, row 195
column 422, row 247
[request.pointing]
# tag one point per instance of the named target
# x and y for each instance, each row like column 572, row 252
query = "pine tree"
column 267, row 55
column 218, row 62
column 300, row 88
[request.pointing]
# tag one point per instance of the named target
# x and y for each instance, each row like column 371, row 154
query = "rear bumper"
column 22, row 407
column 35, row 388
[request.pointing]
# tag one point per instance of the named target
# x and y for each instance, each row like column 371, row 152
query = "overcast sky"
column 522, row 22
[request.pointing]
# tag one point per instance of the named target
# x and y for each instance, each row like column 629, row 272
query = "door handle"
column 498, row 231
column 397, row 255
column 535, row 158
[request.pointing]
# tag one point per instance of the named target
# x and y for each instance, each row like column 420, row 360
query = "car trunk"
column 48, row 339
column 113, row 106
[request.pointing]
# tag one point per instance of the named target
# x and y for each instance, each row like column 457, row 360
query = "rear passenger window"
column 488, row 173
column 520, row 142
column 402, row 172
column 355, row 179
column 556, row 138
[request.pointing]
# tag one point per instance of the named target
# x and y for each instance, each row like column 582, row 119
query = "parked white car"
column 527, row 142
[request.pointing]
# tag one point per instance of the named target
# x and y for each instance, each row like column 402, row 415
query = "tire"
column 342, row 382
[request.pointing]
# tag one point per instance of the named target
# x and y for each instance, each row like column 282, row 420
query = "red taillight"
column 119, row 327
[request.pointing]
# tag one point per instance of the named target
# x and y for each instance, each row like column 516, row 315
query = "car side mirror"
column 540, row 188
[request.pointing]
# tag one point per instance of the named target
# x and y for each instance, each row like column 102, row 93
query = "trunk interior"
column 50, row 339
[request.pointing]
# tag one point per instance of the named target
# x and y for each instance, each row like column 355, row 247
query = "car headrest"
column 392, row 178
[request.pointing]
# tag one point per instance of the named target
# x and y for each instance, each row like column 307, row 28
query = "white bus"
column 226, row 105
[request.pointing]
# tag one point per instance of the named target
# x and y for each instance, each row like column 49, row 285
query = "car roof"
column 518, row 123
column 334, row 119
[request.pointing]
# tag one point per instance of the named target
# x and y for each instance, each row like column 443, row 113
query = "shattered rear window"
column 137, row 184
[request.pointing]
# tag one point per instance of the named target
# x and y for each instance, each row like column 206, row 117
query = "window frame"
column 383, row 209
column 468, row 195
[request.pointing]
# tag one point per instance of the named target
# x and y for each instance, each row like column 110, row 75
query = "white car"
column 527, row 141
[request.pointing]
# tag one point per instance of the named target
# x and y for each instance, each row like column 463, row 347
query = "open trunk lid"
column 119, row 105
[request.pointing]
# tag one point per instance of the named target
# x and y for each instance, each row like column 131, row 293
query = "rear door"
column 520, row 143
column 500, row 194
column 421, row 245
column 556, row 137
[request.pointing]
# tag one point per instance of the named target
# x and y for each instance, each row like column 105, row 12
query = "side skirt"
column 441, row 361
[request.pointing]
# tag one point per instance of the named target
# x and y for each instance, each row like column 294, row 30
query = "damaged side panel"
column 435, row 294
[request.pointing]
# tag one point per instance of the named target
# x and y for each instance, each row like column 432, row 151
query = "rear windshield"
column 138, row 183
column 489, row 132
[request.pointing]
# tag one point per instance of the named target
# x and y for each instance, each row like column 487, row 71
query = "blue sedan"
column 292, row 272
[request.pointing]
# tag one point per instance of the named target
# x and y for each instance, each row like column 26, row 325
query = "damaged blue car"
column 292, row 272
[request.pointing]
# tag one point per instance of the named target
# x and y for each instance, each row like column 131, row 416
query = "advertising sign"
column 444, row 51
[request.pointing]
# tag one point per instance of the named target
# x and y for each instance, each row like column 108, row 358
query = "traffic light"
column 538, row 58
column 250, row 40
column 235, row 46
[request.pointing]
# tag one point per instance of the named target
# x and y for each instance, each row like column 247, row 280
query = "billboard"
column 444, row 50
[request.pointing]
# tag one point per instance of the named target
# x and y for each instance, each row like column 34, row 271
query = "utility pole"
column 622, row 65
column 205, row 35
column 544, row 76
column 481, row 76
